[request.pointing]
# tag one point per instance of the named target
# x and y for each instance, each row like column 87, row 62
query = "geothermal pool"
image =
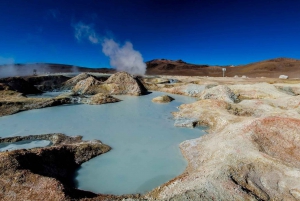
column 145, row 144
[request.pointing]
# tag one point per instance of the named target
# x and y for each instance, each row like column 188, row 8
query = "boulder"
column 162, row 99
column 123, row 83
column 283, row 77
column 101, row 98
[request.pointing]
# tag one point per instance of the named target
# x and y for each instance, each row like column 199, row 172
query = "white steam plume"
column 85, row 31
column 9, row 69
column 122, row 58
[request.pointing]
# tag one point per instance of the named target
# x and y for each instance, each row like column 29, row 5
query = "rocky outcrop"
column 102, row 99
column 46, row 173
column 220, row 93
column 12, row 102
column 88, row 86
column 20, row 85
column 162, row 99
column 124, row 83
column 69, row 84
column 120, row 83
column 48, row 82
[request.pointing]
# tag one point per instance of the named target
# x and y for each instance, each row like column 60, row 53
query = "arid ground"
column 251, row 150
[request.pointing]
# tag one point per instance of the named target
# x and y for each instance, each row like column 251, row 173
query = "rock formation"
column 120, row 83
column 47, row 83
column 88, row 86
column 162, row 99
column 220, row 93
column 69, row 84
column 102, row 99
column 12, row 102
column 20, row 85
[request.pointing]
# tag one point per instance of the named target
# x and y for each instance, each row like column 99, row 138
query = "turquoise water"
column 144, row 141
column 25, row 144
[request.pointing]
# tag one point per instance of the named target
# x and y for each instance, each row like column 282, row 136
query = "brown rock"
column 69, row 84
column 120, row 83
column 124, row 83
column 162, row 99
column 87, row 86
column 102, row 99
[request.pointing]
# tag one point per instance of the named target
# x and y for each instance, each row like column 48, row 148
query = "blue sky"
column 220, row 32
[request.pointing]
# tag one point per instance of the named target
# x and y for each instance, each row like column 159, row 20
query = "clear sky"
column 221, row 32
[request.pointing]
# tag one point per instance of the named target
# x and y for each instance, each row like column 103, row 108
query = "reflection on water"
column 142, row 135
column 24, row 144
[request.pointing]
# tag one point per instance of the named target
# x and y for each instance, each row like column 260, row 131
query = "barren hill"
column 268, row 68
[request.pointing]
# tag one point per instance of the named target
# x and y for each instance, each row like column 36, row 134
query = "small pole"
column 223, row 69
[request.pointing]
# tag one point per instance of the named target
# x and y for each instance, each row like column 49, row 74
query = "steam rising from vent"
column 124, row 58
column 10, row 70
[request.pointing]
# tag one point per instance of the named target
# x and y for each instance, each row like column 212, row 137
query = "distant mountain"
column 267, row 68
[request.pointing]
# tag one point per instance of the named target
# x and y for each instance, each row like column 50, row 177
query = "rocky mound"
column 120, row 83
column 162, row 99
column 102, row 99
column 220, row 93
column 87, row 86
column 69, row 84
column 20, row 85
column 124, row 83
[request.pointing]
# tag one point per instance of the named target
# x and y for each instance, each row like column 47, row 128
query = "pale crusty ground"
column 252, row 149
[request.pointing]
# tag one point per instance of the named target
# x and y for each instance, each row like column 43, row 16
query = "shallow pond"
column 144, row 141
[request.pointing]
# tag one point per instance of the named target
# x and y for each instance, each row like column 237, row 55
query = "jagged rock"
column 69, row 84
column 162, row 99
column 20, row 85
column 102, row 99
column 120, row 83
column 87, row 86
column 220, row 93
column 124, row 83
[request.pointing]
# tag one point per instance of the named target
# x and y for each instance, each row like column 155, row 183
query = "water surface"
column 144, row 141
column 24, row 144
